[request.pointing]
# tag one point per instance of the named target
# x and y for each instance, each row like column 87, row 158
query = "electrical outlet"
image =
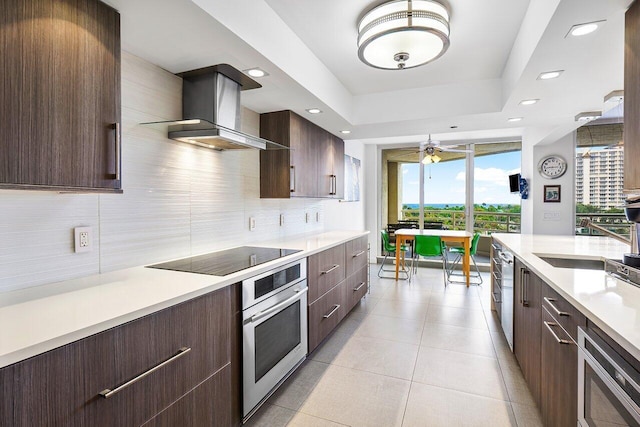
column 83, row 239
column 306, row 217
column 281, row 220
column 252, row 223
column 317, row 216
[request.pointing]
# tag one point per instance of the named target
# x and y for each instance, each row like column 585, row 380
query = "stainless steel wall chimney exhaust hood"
column 211, row 110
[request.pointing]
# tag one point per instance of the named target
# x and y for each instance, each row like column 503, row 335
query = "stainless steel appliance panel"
column 608, row 390
column 506, row 316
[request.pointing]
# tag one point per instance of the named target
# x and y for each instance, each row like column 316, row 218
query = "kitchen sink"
column 582, row 264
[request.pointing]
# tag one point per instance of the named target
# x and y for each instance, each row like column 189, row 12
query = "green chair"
column 459, row 253
column 390, row 249
column 429, row 246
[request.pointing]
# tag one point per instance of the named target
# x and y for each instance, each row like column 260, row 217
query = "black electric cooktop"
column 225, row 262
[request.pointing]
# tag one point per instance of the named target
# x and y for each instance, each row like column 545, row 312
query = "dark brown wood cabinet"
column 527, row 308
column 63, row 386
column 312, row 167
column 632, row 99
column 338, row 279
column 559, row 359
column 60, row 101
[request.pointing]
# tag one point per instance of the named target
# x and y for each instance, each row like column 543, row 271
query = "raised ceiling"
column 498, row 48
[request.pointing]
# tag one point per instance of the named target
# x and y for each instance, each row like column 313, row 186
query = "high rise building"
column 599, row 177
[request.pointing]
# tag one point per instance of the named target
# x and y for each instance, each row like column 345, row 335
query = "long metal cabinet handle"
column 292, row 179
column 525, row 288
column 118, row 149
column 335, row 308
column 359, row 287
column 557, row 338
column 107, row 393
column 358, row 254
column 331, row 192
column 331, row 269
column 521, row 279
column 558, row 312
column 334, row 185
column 277, row 307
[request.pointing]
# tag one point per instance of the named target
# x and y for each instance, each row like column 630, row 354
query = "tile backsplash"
column 178, row 200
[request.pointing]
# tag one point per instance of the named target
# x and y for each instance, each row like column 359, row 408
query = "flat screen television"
column 514, row 183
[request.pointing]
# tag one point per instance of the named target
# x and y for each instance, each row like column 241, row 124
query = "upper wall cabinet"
column 312, row 167
column 632, row 99
column 60, row 96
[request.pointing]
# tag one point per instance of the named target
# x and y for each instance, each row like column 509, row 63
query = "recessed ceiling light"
column 548, row 75
column 256, row 72
column 529, row 101
column 314, row 110
column 584, row 29
column 588, row 115
column 514, row 119
column 346, row 132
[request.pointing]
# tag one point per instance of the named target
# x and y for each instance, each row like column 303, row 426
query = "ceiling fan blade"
column 454, row 150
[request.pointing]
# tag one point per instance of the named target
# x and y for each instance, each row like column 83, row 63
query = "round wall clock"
column 552, row 166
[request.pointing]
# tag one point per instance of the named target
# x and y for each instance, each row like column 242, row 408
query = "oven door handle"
column 277, row 307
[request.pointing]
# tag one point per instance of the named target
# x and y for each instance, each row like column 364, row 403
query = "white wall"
column 178, row 199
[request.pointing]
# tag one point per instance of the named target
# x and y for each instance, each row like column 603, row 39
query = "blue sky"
column 446, row 184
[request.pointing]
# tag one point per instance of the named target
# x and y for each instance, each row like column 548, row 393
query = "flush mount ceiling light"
column 346, row 132
column 588, row 115
column 584, row 29
column 514, row 119
column 403, row 34
column 256, row 72
column 314, row 110
column 529, row 101
column 548, row 75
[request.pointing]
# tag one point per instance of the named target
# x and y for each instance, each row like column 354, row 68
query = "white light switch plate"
column 252, row 223
column 281, row 220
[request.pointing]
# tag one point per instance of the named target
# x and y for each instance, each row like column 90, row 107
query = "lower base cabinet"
column 332, row 298
column 64, row 386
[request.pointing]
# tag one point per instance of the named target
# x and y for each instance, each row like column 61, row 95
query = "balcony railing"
column 502, row 222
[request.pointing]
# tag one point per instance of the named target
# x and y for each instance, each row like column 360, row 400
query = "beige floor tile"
column 459, row 288
column 527, row 416
column 493, row 322
column 515, row 382
column 390, row 358
column 294, row 392
column 460, row 371
column 391, row 328
column 420, row 295
column 304, row 420
column 271, row 416
column 435, row 407
column 456, row 300
column 456, row 338
column 465, row 317
column 402, row 309
column 358, row 398
column 500, row 345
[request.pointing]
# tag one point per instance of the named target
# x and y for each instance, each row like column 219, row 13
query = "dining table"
column 448, row 236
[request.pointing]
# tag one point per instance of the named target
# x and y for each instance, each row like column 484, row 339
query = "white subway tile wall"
column 179, row 200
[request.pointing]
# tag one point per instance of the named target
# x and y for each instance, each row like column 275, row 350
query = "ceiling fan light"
column 427, row 160
column 435, row 158
column 403, row 34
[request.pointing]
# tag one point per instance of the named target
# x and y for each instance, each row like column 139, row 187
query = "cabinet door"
column 338, row 167
column 207, row 405
column 304, row 157
column 61, row 98
column 526, row 325
column 356, row 288
column 326, row 179
column 356, row 254
column 559, row 375
column 276, row 177
column 632, row 98
column 325, row 314
column 63, row 386
column 326, row 269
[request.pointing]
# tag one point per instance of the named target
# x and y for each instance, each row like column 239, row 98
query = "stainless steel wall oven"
column 608, row 386
column 274, row 318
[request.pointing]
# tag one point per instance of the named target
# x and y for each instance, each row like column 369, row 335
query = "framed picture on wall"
column 552, row 194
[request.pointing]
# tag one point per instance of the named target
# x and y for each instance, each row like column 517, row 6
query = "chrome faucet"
column 633, row 242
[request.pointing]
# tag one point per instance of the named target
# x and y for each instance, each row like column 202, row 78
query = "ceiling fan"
column 430, row 147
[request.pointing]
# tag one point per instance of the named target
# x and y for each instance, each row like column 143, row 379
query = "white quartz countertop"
column 42, row 318
column 612, row 304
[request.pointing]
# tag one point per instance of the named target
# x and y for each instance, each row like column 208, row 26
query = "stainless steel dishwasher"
column 506, row 317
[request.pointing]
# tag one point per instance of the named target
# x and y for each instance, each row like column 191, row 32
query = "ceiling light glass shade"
column 584, row 29
column 548, row 75
column 431, row 158
column 529, row 101
column 403, row 34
